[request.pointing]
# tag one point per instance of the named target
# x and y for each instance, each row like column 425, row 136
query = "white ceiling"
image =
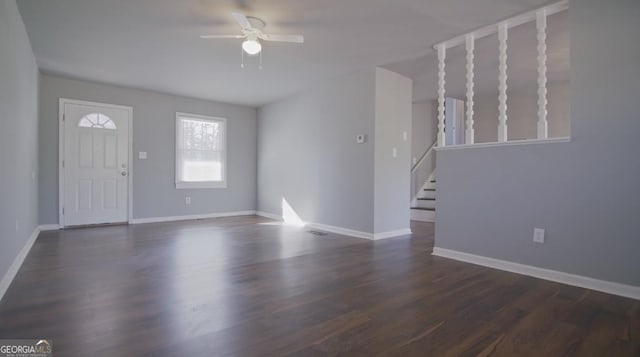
column 154, row 44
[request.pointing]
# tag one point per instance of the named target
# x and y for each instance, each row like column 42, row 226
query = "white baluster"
column 441, row 57
column 541, row 25
column 469, row 132
column 502, row 85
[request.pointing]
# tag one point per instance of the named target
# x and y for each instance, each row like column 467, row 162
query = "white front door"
column 95, row 164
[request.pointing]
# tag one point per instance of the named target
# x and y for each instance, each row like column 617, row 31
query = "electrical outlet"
column 538, row 235
column 142, row 155
column 187, row 200
column 361, row 138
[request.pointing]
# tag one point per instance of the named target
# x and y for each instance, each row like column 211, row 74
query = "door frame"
column 61, row 147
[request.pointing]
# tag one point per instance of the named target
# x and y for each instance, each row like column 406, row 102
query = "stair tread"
column 426, row 199
column 424, row 209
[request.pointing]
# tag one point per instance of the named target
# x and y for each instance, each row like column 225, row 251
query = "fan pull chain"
column 242, row 56
column 260, row 60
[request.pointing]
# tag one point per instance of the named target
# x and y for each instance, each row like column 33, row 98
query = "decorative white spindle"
column 540, row 17
column 442, row 54
column 502, row 85
column 541, row 25
column 469, row 132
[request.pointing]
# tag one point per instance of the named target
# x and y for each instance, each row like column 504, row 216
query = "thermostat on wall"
column 361, row 138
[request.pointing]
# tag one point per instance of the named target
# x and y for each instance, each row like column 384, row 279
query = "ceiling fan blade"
column 283, row 38
column 211, row 37
column 242, row 20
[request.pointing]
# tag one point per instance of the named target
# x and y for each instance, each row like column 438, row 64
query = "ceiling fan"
column 252, row 32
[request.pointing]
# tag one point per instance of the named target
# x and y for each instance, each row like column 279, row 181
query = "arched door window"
column 97, row 120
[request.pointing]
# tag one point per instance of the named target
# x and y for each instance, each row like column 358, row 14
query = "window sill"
column 189, row 185
column 507, row 143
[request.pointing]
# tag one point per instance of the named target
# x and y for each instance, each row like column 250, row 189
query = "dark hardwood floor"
column 248, row 286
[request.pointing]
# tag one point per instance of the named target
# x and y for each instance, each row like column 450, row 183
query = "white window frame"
column 202, row 184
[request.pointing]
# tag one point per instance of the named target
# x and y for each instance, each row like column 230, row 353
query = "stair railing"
column 539, row 16
column 422, row 170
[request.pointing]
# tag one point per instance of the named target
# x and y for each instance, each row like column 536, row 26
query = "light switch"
column 538, row 235
column 395, row 152
column 361, row 138
column 405, row 136
column 142, row 155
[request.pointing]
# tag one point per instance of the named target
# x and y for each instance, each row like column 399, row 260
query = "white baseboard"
column 17, row 263
column 391, row 234
column 609, row 287
column 49, row 227
column 54, row 227
column 341, row 230
column 269, row 215
column 190, row 217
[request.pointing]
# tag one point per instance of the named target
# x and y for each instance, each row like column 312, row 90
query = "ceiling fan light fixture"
column 252, row 47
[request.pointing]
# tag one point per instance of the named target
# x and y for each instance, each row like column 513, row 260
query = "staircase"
column 423, row 207
column 423, row 187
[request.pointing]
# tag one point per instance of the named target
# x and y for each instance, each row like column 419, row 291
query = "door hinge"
column 64, row 116
column 63, row 211
column 63, row 164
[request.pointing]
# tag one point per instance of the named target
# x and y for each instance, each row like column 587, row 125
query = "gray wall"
column 18, row 136
column 308, row 153
column 154, row 189
column 392, row 174
column 424, row 127
column 522, row 112
column 585, row 193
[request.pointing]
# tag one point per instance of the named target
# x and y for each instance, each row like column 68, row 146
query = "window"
column 201, row 151
column 97, row 120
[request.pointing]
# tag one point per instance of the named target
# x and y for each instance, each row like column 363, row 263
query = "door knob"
column 123, row 173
